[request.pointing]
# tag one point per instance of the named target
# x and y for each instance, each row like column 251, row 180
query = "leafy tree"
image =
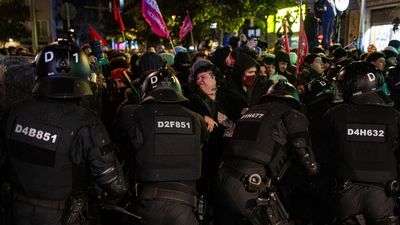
column 12, row 23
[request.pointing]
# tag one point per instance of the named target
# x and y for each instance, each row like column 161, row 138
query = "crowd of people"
column 233, row 135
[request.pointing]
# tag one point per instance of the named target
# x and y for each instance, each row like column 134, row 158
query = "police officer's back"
column 265, row 139
column 317, row 98
column 55, row 148
column 167, row 139
column 309, row 198
column 362, row 139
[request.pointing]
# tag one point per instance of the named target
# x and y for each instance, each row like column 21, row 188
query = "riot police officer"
column 167, row 139
column 265, row 139
column 362, row 139
column 52, row 143
column 311, row 197
column 318, row 98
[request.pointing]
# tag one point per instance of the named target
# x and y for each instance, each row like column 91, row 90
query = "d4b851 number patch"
column 366, row 132
column 36, row 134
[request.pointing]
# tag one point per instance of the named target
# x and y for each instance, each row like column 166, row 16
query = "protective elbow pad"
column 108, row 176
column 112, row 182
column 309, row 162
column 306, row 156
column 116, row 189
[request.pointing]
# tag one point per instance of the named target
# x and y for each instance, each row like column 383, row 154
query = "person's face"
column 317, row 65
column 263, row 70
column 100, row 81
column 249, row 77
column 252, row 43
column 326, row 65
column 371, row 49
column 207, row 83
column 379, row 63
column 270, row 69
column 250, row 72
column 119, row 83
column 282, row 66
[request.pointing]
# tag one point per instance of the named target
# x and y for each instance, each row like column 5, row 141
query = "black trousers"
column 162, row 212
column 239, row 203
column 368, row 200
column 26, row 214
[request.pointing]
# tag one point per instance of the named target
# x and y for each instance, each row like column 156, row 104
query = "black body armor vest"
column 168, row 143
column 366, row 138
column 260, row 136
column 39, row 138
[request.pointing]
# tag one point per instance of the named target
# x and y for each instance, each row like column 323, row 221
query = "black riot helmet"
column 62, row 71
column 318, row 90
column 283, row 90
column 393, row 77
column 162, row 86
column 361, row 83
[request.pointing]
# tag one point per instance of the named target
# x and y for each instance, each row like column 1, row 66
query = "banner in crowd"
column 93, row 35
column 117, row 16
column 187, row 26
column 153, row 17
column 286, row 43
column 302, row 50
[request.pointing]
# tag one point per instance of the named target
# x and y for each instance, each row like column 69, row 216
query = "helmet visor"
column 62, row 87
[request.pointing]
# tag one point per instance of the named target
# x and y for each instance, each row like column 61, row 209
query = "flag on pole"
column 96, row 36
column 153, row 17
column 302, row 50
column 187, row 26
column 286, row 43
column 117, row 17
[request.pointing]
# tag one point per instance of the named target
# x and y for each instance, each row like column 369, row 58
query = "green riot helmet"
column 162, row 86
column 285, row 91
column 62, row 71
column 362, row 83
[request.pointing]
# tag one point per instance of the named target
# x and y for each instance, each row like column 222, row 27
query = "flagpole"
column 124, row 39
column 300, row 47
column 191, row 32
column 118, row 18
column 173, row 47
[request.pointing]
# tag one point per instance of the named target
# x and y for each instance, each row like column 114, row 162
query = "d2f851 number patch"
column 173, row 125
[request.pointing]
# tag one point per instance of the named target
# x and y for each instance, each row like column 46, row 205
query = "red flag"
column 153, row 17
column 96, row 36
column 117, row 17
column 187, row 26
column 302, row 50
column 286, row 37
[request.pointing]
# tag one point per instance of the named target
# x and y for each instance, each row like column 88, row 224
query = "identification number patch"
column 173, row 125
column 366, row 132
column 253, row 116
column 36, row 134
